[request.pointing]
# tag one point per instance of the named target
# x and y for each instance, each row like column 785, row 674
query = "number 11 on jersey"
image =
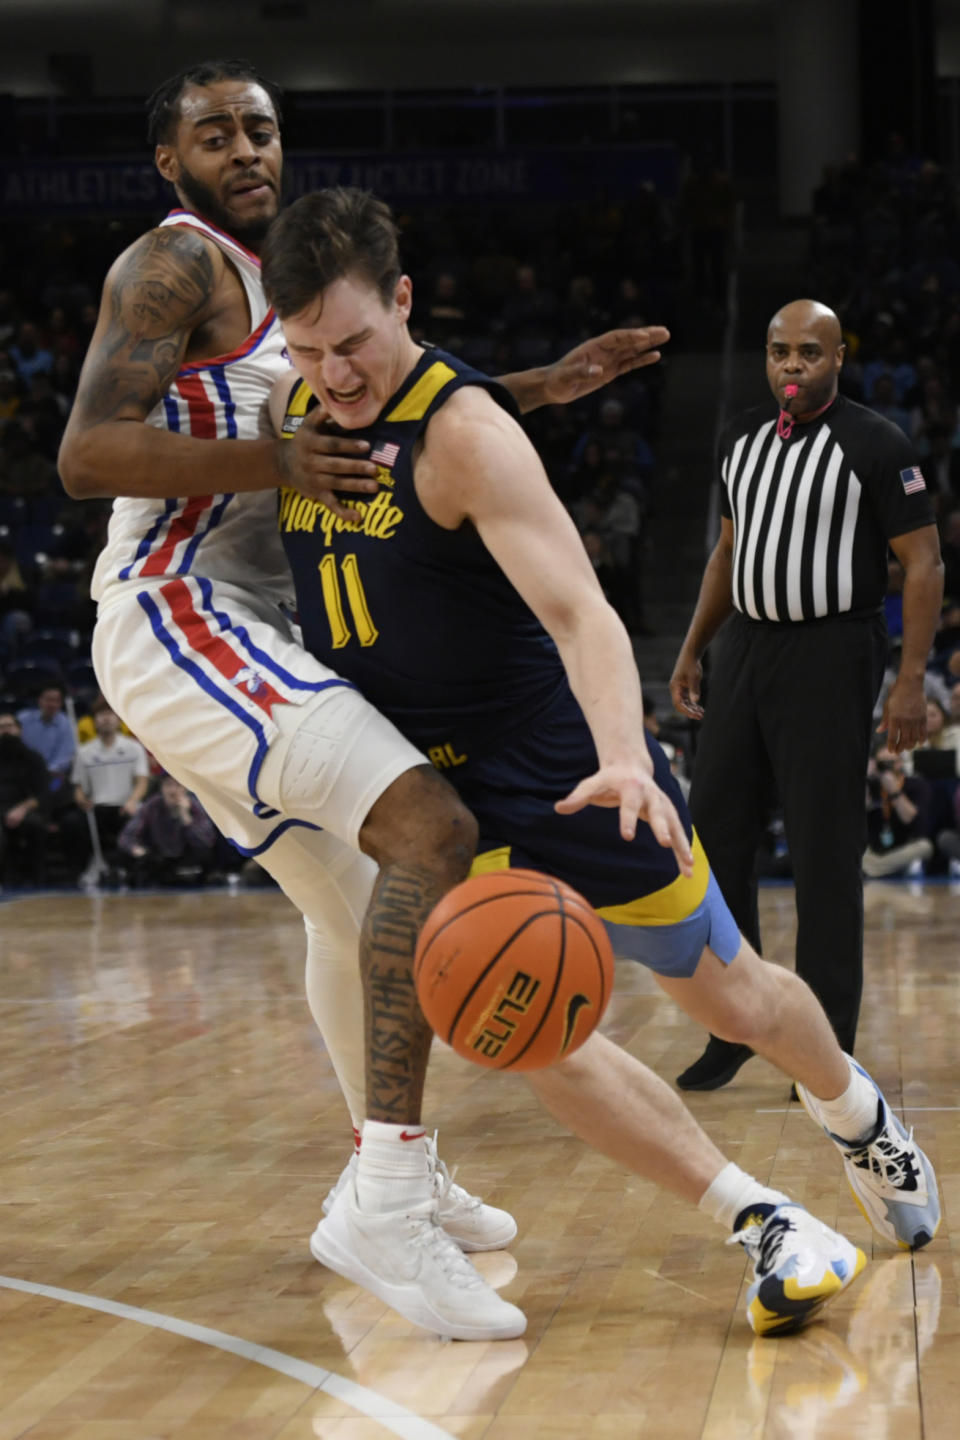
column 367, row 632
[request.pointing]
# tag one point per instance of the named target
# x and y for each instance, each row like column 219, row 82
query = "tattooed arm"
column 158, row 294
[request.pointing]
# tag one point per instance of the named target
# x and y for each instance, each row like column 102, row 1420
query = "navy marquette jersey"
column 422, row 619
column 425, row 623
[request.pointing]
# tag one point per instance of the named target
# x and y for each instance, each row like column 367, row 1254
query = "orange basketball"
column 513, row 969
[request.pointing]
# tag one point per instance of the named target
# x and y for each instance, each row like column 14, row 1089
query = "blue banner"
column 71, row 186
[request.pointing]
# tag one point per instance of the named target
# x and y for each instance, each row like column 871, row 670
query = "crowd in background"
column 883, row 244
column 504, row 289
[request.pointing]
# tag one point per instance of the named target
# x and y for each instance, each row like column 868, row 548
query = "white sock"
column 393, row 1172
column 732, row 1192
column 853, row 1115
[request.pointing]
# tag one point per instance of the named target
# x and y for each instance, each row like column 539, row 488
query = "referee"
column 811, row 500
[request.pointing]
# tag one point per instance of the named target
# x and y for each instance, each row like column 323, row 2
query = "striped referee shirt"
column 813, row 514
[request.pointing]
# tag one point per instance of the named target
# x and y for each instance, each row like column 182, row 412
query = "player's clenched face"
column 225, row 160
column 352, row 348
column 803, row 350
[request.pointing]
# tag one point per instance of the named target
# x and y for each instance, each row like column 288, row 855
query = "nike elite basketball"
column 513, row 970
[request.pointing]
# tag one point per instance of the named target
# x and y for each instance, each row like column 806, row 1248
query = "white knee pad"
column 332, row 761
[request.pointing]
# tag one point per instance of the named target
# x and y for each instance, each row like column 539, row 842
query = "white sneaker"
column 799, row 1264
column 473, row 1225
column 892, row 1180
column 407, row 1259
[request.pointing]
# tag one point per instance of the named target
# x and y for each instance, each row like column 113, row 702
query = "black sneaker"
column 717, row 1065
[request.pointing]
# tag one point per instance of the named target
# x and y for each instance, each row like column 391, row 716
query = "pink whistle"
column 789, row 391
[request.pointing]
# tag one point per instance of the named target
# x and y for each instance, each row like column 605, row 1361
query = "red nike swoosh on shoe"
column 415, row 1135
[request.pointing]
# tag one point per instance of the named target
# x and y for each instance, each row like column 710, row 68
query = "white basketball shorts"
column 212, row 680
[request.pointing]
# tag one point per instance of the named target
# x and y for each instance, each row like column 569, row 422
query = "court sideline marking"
column 388, row 1413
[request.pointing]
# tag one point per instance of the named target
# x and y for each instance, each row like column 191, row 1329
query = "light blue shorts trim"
column 675, row 950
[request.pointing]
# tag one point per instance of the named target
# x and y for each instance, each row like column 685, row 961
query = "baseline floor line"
column 388, row 1413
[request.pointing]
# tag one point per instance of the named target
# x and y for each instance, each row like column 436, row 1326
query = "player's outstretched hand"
column 326, row 466
column 596, row 362
column 638, row 797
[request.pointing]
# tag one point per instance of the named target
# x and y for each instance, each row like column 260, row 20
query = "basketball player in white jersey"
column 196, row 650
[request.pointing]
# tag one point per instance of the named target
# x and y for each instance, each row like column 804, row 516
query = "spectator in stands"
column 86, row 725
column 446, row 321
column 898, row 817
column 64, row 377
column 64, row 339
column 46, row 413
column 707, row 208
column 943, row 728
column 23, row 791
column 170, row 838
column 23, row 470
column 651, row 723
column 885, row 404
column 63, row 595
column 553, row 430
column 941, row 466
column 529, row 312
column 10, row 399
column 16, row 601
column 30, row 357
column 46, row 729
column 110, row 777
column 613, row 512
column 892, row 362
column 616, row 437
column 937, row 761
column 8, row 317
column 581, row 316
column 950, row 545
column 612, row 515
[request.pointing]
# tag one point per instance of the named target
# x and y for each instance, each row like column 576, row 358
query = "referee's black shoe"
column 717, row 1065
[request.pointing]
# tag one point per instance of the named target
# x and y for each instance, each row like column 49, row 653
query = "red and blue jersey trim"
column 251, row 343
column 209, row 225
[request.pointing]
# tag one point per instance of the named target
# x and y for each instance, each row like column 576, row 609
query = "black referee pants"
column 788, row 715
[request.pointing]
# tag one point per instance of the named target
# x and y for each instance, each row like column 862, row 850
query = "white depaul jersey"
column 232, row 537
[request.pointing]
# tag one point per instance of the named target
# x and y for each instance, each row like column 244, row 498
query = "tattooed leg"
column 423, row 840
column 398, row 1037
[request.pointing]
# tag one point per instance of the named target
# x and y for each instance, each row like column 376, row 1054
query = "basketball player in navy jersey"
column 462, row 602
column 195, row 648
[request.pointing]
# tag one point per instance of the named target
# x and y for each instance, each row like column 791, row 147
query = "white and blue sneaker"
column 892, row 1180
column 799, row 1264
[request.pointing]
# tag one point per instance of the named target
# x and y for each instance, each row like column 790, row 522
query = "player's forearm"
column 526, row 387
column 922, row 602
column 714, row 602
column 600, row 665
column 127, row 457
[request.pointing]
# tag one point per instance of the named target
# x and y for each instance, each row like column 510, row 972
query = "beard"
column 204, row 201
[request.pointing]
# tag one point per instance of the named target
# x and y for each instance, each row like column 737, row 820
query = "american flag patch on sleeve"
column 912, row 480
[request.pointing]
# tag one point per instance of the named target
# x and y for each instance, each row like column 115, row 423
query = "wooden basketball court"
column 169, row 1126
